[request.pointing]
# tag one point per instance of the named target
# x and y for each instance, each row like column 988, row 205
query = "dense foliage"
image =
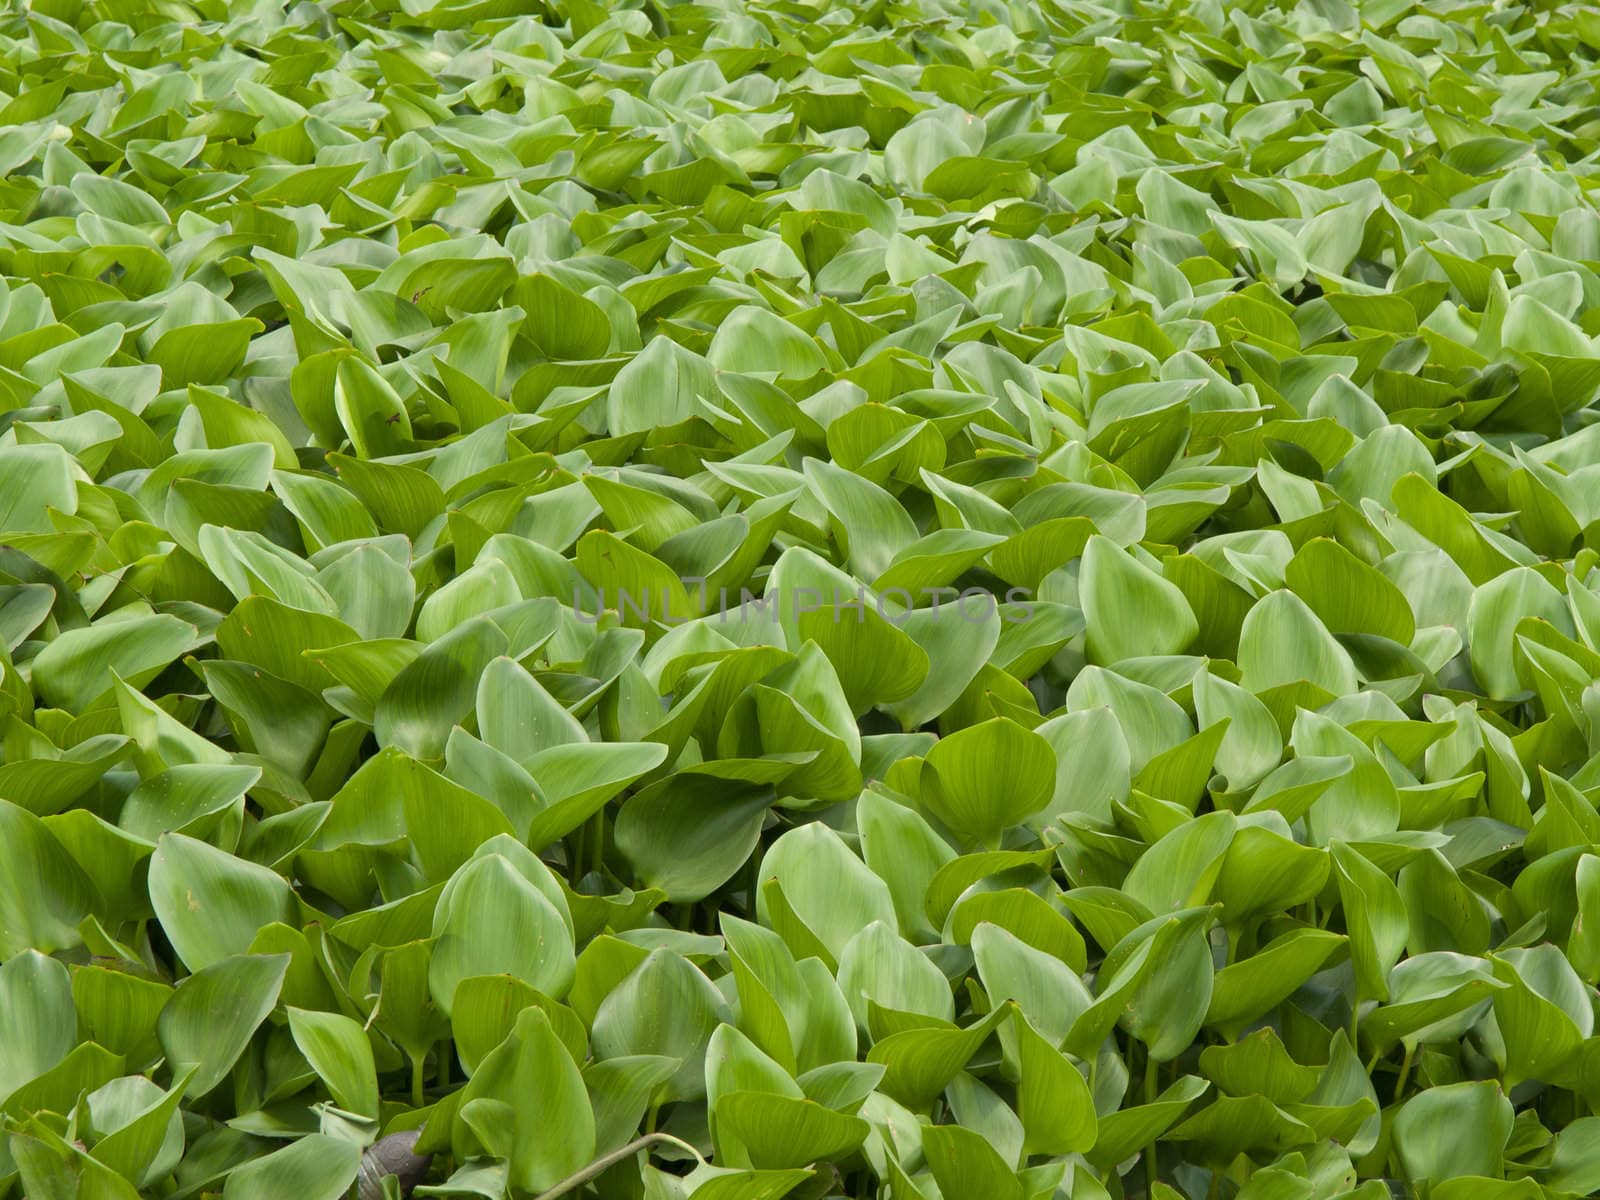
column 484, row 489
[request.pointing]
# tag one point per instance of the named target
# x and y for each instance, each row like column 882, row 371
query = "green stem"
column 417, row 1097
column 1151, row 1089
column 600, row 1165
column 752, row 881
column 597, row 841
column 575, row 852
column 1405, row 1072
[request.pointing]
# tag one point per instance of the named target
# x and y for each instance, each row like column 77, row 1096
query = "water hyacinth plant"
column 729, row 600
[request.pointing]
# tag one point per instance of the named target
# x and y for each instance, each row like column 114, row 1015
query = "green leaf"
column 1053, row 1099
column 436, row 689
column 965, row 1164
column 1497, row 607
column 546, row 1144
column 756, row 340
column 877, row 967
column 493, row 920
column 1024, row 914
column 317, row 1167
column 578, row 780
column 44, row 894
column 1347, row 595
column 984, row 779
column 1375, row 916
column 42, row 1028
column 1453, row 1130
column 664, row 1007
column 1543, row 1014
column 212, row 1015
column 1180, row 870
column 1048, row 993
column 1129, row 609
column 209, row 903
column 1283, row 642
column 562, row 323
column 827, row 887
column 205, row 353
column 1125, row 1131
column 75, row 669
column 920, row 1062
column 689, row 834
column 119, row 1011
column 38, row 478
column 657, row 388
column 143, row 1129
column 338, row 1050
column 784, row 1131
